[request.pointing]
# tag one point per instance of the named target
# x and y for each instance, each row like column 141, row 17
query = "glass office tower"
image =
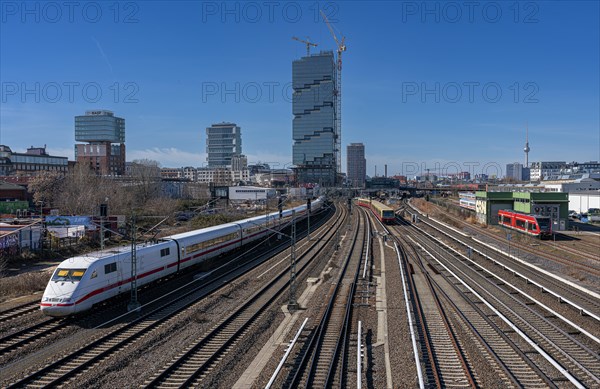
column 223, row 142
column 313, row 126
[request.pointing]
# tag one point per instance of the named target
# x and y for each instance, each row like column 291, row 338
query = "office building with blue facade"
column 315, row 150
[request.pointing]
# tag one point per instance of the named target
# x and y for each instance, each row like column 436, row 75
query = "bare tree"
column 80, row 194
column 47, row 187
column 145, row 175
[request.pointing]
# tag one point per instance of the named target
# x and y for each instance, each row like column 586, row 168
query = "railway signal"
column 280, row 206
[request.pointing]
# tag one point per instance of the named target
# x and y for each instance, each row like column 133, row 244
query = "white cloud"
column 275, row 160
column 61, row 152
column 168, row 157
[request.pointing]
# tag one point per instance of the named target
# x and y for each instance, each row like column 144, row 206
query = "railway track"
column 322, row 360
column 446, row 362
column 592, row 255
column 511, row 367
column 19, row 311
column 193, row 365
column 576, row 297
column 564, row 355
column 593, row 268
column 126, row 333
column 31, row 334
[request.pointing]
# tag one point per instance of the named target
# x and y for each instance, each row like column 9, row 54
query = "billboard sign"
column 70, row 221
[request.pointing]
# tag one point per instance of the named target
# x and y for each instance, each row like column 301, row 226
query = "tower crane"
column 307, row 42
column 341, row 47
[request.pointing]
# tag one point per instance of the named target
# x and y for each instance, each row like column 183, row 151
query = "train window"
column 164, row 252
column 520, row 223
column 68, row 274
column 110, row 268
column 78, row 273
column 62, row 273
column 544, row 223
column 94, row 274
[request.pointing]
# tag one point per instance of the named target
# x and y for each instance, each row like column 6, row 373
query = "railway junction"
column 413, row 302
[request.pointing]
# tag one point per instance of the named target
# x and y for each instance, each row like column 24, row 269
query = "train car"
column 363, row 202
column 467, row 203
column 534, row 225
column 384, row 213
column 467, row 200
column 79, row 283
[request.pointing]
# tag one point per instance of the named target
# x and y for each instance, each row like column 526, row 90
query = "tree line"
column 81, row 191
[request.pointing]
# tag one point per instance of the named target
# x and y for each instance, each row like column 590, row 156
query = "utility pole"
column 308, row 218
column 101, row 233
column 134, row 304
column 41, row 229
column 103, row 214
column 293, row 304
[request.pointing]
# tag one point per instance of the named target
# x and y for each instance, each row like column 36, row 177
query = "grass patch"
column 22, row 284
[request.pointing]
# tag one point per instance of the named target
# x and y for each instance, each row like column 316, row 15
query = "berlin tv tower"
column 526, row 149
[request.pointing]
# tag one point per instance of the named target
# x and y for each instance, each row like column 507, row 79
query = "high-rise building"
column 223, row 141
column 315, row 154
column 514, row 171
column 104, row 134
column 357, row 165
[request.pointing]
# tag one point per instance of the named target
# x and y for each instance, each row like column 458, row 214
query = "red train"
column 382, row 211
column 535, row 225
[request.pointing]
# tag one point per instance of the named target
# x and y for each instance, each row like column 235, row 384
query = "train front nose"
column 57, row 309
column 58, row 299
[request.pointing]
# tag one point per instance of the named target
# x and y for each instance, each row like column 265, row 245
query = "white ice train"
column 80, row 282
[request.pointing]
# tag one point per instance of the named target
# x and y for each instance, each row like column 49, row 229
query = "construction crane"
column 307, row 42
column 341, row 47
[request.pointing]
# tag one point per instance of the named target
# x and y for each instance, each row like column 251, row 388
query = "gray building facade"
column 356, row 165
column 32, row 162
column 316, row 140
column 223, row 141
column 514, row 171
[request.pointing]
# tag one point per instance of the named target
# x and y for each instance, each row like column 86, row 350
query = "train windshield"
column 544, row 223
column 68, row 274
column 388, row 213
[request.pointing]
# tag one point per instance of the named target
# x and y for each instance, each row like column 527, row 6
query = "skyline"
column 420, row 85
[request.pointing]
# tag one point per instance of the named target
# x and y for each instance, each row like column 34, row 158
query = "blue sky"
column 425, row 84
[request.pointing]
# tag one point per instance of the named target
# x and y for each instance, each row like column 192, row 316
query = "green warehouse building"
column 553, row 204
